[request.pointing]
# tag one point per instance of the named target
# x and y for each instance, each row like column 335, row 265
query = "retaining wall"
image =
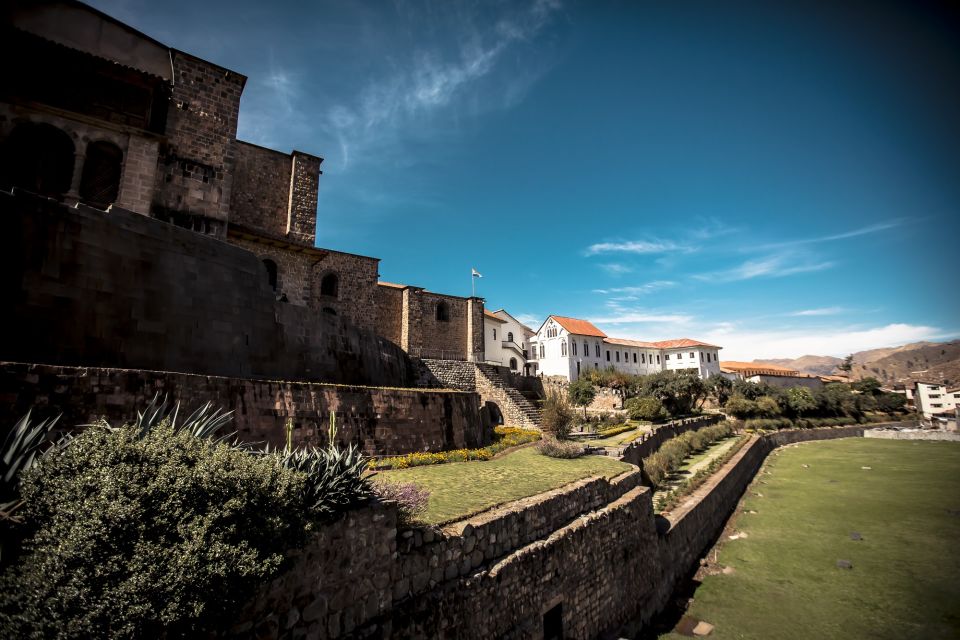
column 637, row 450
column 380, row 420
column 589, row 552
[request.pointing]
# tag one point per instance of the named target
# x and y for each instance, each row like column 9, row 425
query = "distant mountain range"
column 934, row 361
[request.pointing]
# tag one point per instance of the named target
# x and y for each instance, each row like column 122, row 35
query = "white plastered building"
column 933, row 397
column 568, row 347
column 506, row 341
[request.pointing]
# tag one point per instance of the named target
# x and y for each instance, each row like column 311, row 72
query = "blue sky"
column 777, row 178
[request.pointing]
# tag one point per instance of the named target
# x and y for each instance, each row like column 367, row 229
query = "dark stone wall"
column 88, row 288
column 380, row 421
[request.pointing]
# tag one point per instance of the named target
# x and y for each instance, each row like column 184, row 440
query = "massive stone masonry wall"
column 275, row 192
column 592, row 550
column 261, row 188
column 389, row 305
column 380, row 421
column 422, row 581
column 301, row 270
column 88, row 288
column 197, row 162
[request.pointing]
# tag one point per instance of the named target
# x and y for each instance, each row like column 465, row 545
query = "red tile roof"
column 489, row 314
column 683, row 343
column 630, row 343
column 579, row 327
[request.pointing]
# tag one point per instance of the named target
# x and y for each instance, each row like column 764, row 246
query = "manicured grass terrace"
column 905, row 580
column 460, row 489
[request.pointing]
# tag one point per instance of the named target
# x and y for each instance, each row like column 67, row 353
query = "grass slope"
column 460, row 489
column 905, row 581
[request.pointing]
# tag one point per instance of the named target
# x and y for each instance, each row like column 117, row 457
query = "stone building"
column 96, row 112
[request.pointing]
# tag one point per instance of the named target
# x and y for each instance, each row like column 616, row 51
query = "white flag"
column 475, row 273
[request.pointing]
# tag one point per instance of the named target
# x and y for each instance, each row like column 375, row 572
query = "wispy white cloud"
column 643, row 289
column 823, row 311
column 616, row 268
column 530, row 320
column 431, row 81
column 769, row 267
column 742, row 342
column 639, row 317
column 709, row 228
column 637, row 247
column 853, row 233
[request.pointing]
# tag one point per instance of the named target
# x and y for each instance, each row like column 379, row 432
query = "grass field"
column 460, row 489
column 905, row 580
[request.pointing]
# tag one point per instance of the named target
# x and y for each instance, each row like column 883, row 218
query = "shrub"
column 740, row 407
column 411, row 500
column 556, row 416
column 767, row 407
column 334, row 477
column 660, row 464
column 648, row 408
column 581, row 393
column 132, row 532
column 615, row 430
column 560, row 449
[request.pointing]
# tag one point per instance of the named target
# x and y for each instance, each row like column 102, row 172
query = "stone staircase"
column 518, row 409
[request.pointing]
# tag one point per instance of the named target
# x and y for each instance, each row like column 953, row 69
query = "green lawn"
column 905, row 580
column 460, row 489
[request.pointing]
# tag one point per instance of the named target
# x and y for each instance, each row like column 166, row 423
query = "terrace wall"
column 592, row 548
column 381, row 421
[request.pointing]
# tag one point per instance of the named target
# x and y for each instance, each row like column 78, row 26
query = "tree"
column 801, row 400
column 720, row 387
column 740, row 407
column 869, row 386
column 891, row 402
column 581, row 393
column 556, row 416
column 648, row 408
column 767, row 407
column 847, row 365
column 679, row 391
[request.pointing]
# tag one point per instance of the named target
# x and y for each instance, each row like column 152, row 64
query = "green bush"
column 648, row 408
column 554, row 448
column 671, row 454
column 615, row 430
column 767, row 407
column 740, row 407
column 150, row 533
column 556, row 417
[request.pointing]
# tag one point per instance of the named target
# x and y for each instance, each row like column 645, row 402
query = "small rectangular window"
column 494, row 334
column 574, row 348
column 665, row 357
column 618, row 356
column 692, row 356
column 634, row 358
column 608, row 356
column 643, row 358
column 658, row 359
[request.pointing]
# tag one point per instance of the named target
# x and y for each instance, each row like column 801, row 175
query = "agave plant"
column 202, row 423
column 20, row 450
column 335, row 477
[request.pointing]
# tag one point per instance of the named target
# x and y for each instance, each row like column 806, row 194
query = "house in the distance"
column 773, row 375
column 507, row 341
column 935, row 398
column 568, row 347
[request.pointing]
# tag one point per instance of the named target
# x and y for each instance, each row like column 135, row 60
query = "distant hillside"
column 817, row 365
column 931, row 361
column 938, row 361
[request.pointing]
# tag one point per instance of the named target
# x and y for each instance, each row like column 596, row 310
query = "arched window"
column 509, row 336
column 271, row 268
column 573, row 343
column 330, row 311
column 563, row 348
column 330, row 285
column 586, row 348
column 37, row 158
column 513, row 364
column 100, row 181
column 443, row 312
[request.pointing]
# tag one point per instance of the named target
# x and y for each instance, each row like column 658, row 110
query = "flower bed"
column 505, row 438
